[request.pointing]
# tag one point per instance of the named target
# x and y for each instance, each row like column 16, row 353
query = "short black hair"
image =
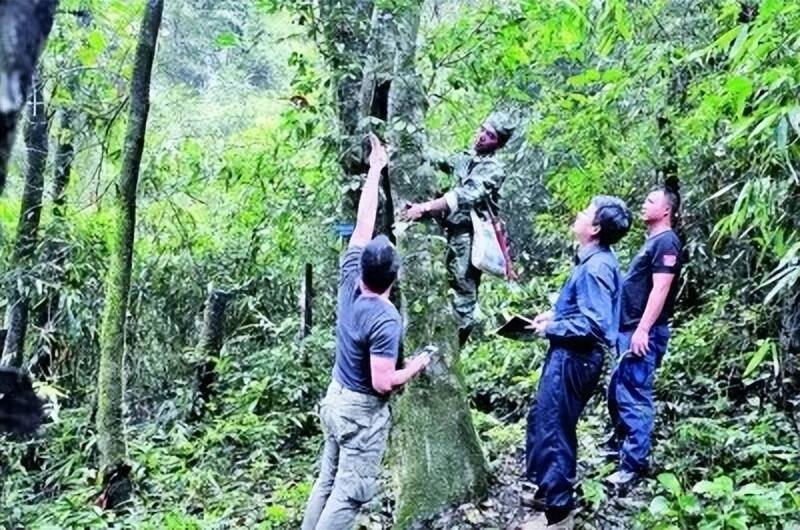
column 379, row 264
column 613, row 217
column 672, row 192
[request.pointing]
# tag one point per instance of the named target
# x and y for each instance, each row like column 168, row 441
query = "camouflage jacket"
column 478, row 182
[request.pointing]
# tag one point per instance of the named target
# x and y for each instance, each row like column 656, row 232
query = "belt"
column 337, row 389
column 577, row 345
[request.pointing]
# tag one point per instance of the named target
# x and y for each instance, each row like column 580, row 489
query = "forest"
column 178, row 183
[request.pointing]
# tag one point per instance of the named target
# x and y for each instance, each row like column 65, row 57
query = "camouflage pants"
column 463, row 277
column 356, row 428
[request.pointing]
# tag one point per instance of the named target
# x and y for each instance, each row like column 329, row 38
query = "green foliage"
column 259, row 425
column 719, row 504
column 240, row 189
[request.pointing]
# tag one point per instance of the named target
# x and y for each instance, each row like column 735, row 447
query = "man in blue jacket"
column 581, row 327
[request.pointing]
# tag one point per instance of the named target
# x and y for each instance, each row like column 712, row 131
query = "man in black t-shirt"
column 355, row 412
column 648, row 299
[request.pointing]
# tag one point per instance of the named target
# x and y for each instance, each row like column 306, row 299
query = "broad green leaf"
column 659, row 506
column 752, row 489
column 671, row 483
column 720, row 487
column 689, row 504
column 737, row 522
column 726, row 39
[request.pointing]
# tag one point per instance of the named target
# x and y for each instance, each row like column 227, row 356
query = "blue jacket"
column 588, row 309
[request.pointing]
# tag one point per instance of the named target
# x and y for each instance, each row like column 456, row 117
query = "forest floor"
column 507, row 504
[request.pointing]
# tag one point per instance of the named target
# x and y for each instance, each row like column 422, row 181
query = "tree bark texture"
column 438, row 461
column 27, row 228
column 436, row 457
column 346, row 29
column 111, row 441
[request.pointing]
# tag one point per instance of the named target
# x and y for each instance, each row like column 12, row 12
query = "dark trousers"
column 630, row 397
column 569, row 378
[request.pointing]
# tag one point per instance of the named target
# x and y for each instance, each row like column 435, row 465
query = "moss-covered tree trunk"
column 24, row 27
column 437, row 459
column 345, row 27
column 111, row 438
column 27, row 228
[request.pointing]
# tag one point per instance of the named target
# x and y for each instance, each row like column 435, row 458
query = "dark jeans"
column 569, row 378
column 630, row 397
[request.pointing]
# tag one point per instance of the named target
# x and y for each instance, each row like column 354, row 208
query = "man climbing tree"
column 479, row 176
column 355, row 412
column 648, row 297
column 581, row 327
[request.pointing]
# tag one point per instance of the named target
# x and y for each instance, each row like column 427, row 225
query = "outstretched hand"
column 377, row 156
column 413, row 212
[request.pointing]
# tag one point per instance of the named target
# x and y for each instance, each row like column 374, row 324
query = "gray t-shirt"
column 365, row 326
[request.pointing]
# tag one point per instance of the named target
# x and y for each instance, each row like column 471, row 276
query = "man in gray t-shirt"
column 366, row 325
column 355, row 413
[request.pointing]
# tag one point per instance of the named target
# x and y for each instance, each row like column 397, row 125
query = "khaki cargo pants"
column 356, row 428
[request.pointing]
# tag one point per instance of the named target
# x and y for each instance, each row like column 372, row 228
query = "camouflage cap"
column 502, row 124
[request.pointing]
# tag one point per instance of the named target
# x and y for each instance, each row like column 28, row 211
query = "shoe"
column 623, row 479
column 528, row 498
column 567, row 523
column 539, row 522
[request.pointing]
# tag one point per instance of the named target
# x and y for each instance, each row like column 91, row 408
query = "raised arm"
column 368, row 203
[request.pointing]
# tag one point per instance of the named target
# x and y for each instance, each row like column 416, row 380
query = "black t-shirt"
column 365, row 326
column 661, row 253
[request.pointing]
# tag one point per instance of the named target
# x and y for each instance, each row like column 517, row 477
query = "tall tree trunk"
column 438, row 458
column 208, row 349
column 111, row 441
column 345, row 27
column 55, row 250
column 27, row 228
column 24, row 27
column 438, row 461
column 374, row 104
